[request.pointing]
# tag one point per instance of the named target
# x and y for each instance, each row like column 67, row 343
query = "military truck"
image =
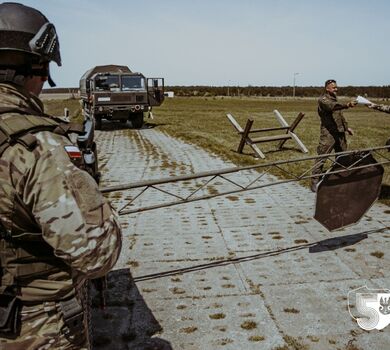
column 114, row 92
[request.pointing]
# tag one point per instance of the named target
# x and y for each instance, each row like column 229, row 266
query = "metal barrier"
column 250, row 141
column 381, row 153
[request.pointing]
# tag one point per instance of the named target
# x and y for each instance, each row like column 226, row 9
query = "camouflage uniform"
column 63, row 227
column 386, row 109
column 333, row 129
column 382, row 108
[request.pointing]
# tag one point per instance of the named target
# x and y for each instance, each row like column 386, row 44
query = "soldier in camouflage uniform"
column 382, row 108
column 57, row 230
column 333, row 127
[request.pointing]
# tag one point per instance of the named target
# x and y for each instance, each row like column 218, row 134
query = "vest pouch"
column 9, row 315
column 73, row 316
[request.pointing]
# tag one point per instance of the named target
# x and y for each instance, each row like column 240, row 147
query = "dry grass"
column 202, row 121
column 256, row 338
column 188, row 330
column 300, row 241
column 248, row 325
column 56, row 108
column 292, row 344
column 377, row 254
column 291, row 310
column 217, row 316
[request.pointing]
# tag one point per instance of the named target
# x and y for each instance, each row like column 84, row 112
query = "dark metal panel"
column 343, row 198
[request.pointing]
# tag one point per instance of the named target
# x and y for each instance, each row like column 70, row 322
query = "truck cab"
column 115, row 93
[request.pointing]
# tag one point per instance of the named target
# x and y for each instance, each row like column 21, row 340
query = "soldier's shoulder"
column 323, row 98
column 50, row 141
column 58, row 147
column 50, row 148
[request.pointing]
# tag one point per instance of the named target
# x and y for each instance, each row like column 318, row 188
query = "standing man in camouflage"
column 56, row 229
column 333, row 127
column 382, row 108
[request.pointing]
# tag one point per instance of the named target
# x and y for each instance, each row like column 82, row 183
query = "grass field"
column 202, row 121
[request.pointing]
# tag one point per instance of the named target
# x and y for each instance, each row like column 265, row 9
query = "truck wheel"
column 137, row 120
column 98, row 123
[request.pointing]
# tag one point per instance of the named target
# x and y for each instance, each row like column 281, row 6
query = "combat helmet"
column 28, row 43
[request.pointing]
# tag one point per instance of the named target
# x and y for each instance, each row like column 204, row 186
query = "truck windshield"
column 132, row 83
column 107, row 83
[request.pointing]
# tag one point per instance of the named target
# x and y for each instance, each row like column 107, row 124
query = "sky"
column 225, row 42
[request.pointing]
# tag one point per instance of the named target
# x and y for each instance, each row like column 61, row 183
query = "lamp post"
column 295, row 74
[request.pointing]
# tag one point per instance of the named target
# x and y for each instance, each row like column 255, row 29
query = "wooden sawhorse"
column 246, row 139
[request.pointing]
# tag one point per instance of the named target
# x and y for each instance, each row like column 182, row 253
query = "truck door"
column 155, row 91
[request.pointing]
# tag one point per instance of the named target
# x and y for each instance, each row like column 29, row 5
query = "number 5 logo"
column 370, row 307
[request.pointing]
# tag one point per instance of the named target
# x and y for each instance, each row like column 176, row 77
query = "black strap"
column 4, row 141
column 9, row 314
column 28, row 140
column 66, row 128
column 4, row 233
column 20, row 110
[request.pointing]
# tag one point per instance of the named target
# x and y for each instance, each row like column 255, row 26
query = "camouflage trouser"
column 328, row 142
column 42, row 327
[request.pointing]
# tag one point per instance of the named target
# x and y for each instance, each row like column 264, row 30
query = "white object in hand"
column 363, row 101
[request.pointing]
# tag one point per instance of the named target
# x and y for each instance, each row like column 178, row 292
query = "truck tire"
column 137, row 120
column 98, row 123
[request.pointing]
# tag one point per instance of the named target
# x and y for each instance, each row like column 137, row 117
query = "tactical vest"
column 26, row 256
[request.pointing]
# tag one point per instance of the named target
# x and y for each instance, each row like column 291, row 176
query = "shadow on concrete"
column 109, row 125
column 315, row 247
column 248, row 152
column 338, row 242
column 152, row 125
column 385, row 192
column 126, row 322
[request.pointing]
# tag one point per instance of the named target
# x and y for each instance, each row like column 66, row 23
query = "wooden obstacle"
column 282, row 138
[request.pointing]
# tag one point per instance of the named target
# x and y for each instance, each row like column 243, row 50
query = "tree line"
column 267, row 91
column 278, row 91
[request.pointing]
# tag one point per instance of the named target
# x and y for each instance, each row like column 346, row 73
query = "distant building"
column 169, row 94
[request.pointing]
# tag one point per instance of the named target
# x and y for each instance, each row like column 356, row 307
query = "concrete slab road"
column 249, row 271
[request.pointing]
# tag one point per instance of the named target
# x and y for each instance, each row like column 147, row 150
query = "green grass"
column 56, row 108
column 202, row 121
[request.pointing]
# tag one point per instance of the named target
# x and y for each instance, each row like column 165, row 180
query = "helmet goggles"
column 45, row 44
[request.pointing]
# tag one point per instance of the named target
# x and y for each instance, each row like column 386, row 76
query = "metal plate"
column 343, row 198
